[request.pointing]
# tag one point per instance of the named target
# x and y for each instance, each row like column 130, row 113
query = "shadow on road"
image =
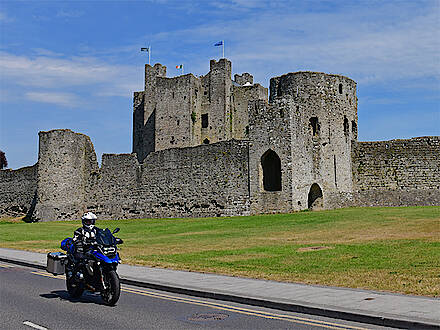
column 87, row 297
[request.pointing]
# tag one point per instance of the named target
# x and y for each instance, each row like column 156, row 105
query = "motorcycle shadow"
column 87, row 297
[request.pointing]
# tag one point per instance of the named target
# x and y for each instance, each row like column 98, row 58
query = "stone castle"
column 212, row 146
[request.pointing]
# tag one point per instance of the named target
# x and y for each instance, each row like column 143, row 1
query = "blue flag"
column 219, row 43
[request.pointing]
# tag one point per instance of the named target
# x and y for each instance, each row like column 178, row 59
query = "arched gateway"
column 315, row 200
column 271, row 164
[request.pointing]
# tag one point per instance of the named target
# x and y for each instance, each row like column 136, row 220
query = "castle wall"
column 241, row 97
column 209, row 180
column 245, row 78
column 397, row 172
column 143, row 128
column 112, row 192
column 177, row 98
column 144, row 112
column 17, row 189
column 65, row 163
column 270, row 130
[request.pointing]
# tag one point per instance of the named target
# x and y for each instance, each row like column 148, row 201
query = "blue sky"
column 75, row 64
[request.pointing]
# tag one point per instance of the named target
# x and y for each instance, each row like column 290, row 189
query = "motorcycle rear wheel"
column 111, row 294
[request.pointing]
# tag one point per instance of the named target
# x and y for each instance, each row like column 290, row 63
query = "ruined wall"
column 220, row 94
column 241, row 97
column 143, row 128
column 270, row 131
column 189, row 182
column 397, row 172
column 244, row 79
column 177, row 98
column 66, row 161
column 113, row 191
column 144, row 112
column 17, row 190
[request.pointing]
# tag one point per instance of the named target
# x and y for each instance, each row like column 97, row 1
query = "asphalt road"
column 34, row 299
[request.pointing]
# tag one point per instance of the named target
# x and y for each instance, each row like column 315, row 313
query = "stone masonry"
column 212, row 146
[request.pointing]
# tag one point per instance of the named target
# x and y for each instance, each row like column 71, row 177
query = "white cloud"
column 57, row 98
column 58, row 77
column 5, row 18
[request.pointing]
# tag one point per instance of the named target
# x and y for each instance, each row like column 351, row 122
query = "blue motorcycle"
column 97, row 271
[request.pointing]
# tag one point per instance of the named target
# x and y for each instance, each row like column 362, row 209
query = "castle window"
column 354, row 129
column 173, row 95
column 206, row 141
column 205, row 93
column 315, row 125
column 315, row 197
column 205, row 120
column 346, row 126
column 340, row 88
column 271, row 164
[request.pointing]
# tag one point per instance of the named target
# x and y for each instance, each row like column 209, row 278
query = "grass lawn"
column 392, row 249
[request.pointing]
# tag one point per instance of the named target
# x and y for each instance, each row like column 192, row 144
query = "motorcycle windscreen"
column 105, row 237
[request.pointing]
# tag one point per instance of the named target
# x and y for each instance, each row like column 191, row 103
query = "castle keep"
column 213, row 146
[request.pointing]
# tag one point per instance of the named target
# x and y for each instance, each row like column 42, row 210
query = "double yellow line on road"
column 219, row 306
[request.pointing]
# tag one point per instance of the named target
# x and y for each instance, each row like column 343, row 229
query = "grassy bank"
column 393, row 249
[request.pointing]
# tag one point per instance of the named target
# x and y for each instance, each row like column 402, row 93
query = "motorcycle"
column 97, row 272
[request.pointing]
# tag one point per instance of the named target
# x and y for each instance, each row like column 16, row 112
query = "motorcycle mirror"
column 116, row 230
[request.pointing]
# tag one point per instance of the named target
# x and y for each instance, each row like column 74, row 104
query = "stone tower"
column 305, row 134
column 66, row 160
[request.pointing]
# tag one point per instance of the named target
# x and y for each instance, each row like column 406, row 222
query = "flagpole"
column 182, row 70
column 149, row 54
column 223, row 44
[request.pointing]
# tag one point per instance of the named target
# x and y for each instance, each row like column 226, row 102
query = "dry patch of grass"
column 12, row 219
column 398, row 228
column 242, row 257
column 313, row 248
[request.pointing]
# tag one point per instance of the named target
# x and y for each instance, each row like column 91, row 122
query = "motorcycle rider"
column 83, row 238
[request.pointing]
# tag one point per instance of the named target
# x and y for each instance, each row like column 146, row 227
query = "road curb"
column 291, row 307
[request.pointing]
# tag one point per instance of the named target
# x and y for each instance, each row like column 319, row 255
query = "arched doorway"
column 315, row 200
column 271, row 164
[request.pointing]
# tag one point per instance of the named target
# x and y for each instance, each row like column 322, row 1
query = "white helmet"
column 88, row 220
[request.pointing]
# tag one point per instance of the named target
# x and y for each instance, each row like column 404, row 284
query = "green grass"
column 393, row 249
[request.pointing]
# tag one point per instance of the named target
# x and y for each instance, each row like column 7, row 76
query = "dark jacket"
column 83, row 238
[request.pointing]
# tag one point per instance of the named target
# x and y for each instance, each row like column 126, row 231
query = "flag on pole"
column 148, row 50
column 221, row 43
column 180, row 67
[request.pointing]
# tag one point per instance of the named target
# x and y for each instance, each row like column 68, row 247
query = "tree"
column 3, row 161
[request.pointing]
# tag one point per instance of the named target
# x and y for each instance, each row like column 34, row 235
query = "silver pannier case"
column 56, row 262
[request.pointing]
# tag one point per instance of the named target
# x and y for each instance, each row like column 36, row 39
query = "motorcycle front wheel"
column 74, row 288
column 113, row 288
